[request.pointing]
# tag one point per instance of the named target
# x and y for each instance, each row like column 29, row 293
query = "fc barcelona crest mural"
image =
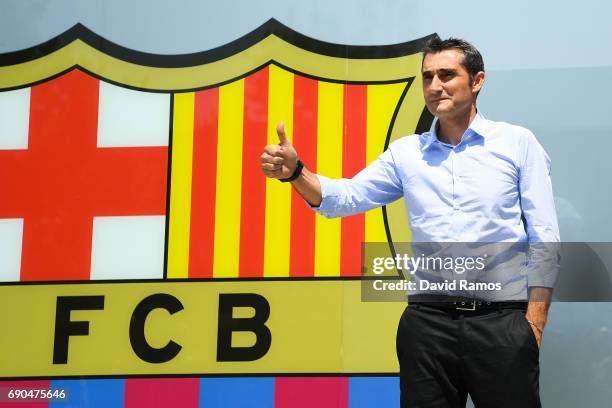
column 142, row 249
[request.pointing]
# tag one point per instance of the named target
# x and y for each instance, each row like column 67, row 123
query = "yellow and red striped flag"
column 226, row 219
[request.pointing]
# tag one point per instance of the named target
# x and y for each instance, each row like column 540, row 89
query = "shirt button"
column 456, row 206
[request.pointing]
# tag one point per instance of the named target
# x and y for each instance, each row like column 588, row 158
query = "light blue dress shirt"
column 493, row 186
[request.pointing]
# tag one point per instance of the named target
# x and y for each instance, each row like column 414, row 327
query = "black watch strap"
column 296, row 173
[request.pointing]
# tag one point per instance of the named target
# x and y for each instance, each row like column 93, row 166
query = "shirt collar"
column 477, row 127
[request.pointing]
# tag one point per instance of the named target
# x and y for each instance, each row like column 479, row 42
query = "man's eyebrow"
column 446, row 71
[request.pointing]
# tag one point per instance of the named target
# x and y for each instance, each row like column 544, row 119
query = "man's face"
column 447, row 87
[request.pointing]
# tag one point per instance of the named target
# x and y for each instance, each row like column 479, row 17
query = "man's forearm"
column 309, row 187
column 539, row 302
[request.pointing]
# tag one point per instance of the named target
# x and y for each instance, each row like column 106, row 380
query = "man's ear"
column 478, row 81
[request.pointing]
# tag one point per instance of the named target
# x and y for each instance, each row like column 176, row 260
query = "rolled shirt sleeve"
column 376, row 185
column 540, row 217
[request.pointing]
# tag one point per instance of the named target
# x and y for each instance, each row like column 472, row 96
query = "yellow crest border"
column 272, row 42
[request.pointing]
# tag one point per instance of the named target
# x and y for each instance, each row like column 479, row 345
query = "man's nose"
column 436, row 84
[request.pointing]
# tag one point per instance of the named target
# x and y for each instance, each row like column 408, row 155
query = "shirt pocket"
column 492, row 191
column 426, row 196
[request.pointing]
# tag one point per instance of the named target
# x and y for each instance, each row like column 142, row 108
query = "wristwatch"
column 296, row 173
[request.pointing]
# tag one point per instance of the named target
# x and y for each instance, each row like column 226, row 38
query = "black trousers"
column 445, row 354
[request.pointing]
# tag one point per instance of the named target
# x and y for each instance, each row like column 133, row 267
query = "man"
column 467, row 180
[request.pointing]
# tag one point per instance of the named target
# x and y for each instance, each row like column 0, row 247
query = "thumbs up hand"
column 279, row 160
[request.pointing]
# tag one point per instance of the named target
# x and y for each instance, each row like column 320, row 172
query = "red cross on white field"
column 62, row 180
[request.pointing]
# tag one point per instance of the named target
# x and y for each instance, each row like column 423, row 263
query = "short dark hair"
column 472, row 60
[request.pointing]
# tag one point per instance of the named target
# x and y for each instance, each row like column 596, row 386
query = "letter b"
column 256, row 324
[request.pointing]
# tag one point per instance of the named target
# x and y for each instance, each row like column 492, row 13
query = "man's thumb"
column 282, row 136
